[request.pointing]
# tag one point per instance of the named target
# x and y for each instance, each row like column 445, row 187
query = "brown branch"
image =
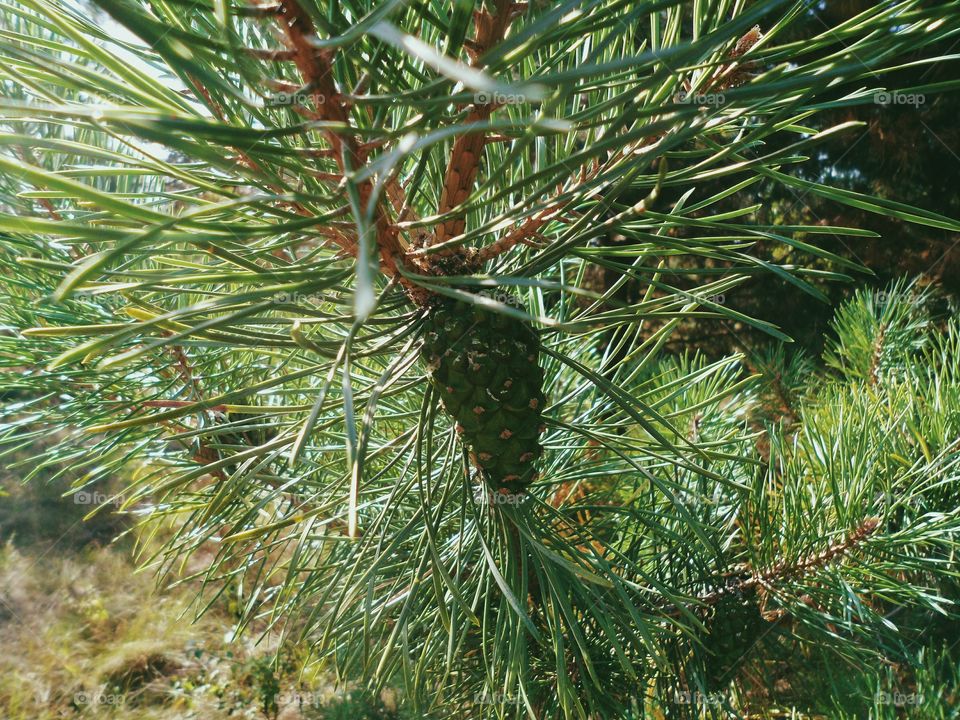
column 204, row 455
column 735, row 74
column 315, row 66
column 532, row 226
column 27, row 156
column 464, row 162
column 791, row 571
column 284, row 86
column 524, row 234
column 185, row 369
column 460, row 176
column 781, row 395
column 51, row 210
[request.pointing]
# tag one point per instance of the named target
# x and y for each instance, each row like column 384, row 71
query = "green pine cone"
column 484, row 366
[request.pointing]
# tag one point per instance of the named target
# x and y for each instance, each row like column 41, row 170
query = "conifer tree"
column 369, row 300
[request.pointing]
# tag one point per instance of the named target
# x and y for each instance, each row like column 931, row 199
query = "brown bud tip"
column 506, row 434
column 478, row 410
column 534, row 404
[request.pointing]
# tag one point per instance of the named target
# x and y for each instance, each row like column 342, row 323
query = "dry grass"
column 84, row 635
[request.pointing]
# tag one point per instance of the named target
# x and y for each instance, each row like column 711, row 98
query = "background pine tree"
column 228, row 232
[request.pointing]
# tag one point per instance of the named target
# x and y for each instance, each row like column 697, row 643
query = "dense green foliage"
column 226, row 236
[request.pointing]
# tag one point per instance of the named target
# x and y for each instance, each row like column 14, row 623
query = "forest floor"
column 86, row 635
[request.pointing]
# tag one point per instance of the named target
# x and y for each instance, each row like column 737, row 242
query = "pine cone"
column 484, row 366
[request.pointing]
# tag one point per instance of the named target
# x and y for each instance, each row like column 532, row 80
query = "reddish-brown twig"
column 464, row 162
column 783, row 570
column 315, row 66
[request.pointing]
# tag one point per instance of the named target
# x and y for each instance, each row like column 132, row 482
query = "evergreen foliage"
column 234, row 246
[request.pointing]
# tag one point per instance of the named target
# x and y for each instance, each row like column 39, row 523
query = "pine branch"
column 464, row 161
column 258, row 198
column 876, row 358
column 784, row 571
column 278, row 55
column 315, row 66
column 205, row 455
column 784, row 403
column 736, row 73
